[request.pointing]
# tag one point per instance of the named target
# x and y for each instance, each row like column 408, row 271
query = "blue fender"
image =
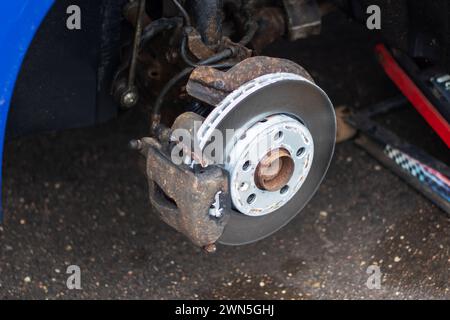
column 19, row 21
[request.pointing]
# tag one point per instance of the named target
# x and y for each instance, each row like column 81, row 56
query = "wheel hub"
column 275, row 170
column 269, row 163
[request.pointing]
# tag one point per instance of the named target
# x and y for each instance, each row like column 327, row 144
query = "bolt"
column 129, row 99
column 135, row 144
column 219, row 84
column 210, row 248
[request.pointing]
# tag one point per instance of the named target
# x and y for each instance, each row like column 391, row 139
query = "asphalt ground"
column 79, row 198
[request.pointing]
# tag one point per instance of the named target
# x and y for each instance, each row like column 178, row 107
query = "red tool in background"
column 413, row 93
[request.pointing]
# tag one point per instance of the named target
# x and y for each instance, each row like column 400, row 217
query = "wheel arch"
column 19, row 21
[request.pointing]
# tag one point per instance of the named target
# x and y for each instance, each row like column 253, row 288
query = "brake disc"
column 296, row 119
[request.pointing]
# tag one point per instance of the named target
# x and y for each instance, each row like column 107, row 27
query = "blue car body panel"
column 19, row 21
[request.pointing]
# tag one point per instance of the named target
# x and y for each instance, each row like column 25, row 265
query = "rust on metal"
column 201, row 51
column 196, row 45
column 241, row 52
column 212, row 86
column 271, row 26
column 275, row 170
column 208, row 16
column 188, row 121
column 183, row 197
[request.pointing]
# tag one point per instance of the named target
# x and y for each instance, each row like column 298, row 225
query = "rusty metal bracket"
column 196, row 45
column 210, row 85
column 183, row 197
column 201, row 51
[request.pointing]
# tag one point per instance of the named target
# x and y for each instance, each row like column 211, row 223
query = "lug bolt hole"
column 251, row 198
column 246, row 165
column 300, row 152
column 284, row 189
column 278, row 135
